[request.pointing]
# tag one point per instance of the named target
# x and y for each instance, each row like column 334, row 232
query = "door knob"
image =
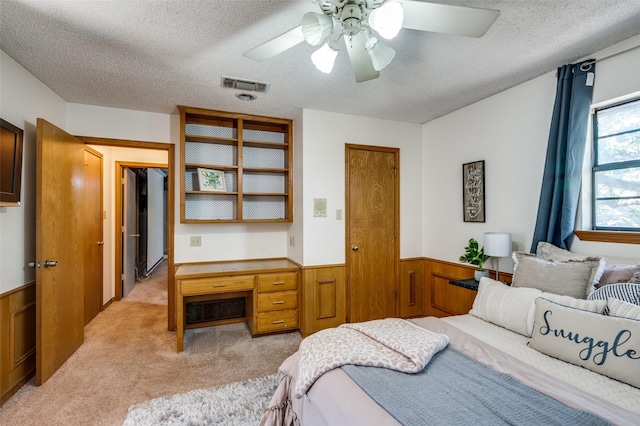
column 100, row 243
column 50, row 263
column 34, row 264
column 355, row 248
column 134, row 235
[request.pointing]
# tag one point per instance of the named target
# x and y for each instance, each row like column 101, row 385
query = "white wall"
column 324, row 137
column 23, row 98
column 510, row 132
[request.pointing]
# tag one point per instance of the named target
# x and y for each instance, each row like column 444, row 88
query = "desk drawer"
column 277, row 320
column 278, row 282
column 217, row 285
column 277, row 301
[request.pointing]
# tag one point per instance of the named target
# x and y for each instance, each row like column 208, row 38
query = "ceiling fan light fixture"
column 381, row 55
column 324, row 58
column 387, row 19
column 316, row 27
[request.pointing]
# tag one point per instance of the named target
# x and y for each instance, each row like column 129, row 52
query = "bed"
column 580, row 355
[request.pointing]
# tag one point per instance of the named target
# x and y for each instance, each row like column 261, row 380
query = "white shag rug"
column 236, row 404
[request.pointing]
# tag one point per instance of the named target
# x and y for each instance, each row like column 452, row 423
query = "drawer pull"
column 277, row 322
column 278, row 282
column 278, row 302
column 220, row 285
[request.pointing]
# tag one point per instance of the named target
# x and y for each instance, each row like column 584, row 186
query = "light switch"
column 339, row 214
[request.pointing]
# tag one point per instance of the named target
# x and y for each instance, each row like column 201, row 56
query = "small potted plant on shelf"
column 474, row 255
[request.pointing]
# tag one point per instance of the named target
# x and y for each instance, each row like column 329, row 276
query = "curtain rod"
column 613, row 55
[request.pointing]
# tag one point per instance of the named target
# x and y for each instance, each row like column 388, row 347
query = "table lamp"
column 497, row 244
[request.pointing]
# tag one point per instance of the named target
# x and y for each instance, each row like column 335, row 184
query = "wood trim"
column 16, row 290
column 230, row 115
column 609, row 236
column 124, row 143
column 171, row 170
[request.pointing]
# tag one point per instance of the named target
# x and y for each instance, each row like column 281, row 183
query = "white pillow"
column 597, row 306
column 618, row 308
column 604, row 344
column 575, row 278
column 508, row 307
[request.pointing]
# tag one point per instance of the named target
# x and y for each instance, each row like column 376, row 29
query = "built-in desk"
column 270, row 287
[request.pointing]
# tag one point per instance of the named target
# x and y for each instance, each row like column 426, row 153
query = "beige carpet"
column 129, row 357
column 153, row 288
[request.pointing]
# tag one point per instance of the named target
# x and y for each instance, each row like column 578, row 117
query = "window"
column 616, row 167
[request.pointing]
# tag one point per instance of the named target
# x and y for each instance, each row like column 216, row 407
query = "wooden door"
column 93, row 241
column 372, row 252
column 129, row 232
column 59, row 248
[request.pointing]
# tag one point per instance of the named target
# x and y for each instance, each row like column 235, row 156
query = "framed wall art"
column 211, row 180
column 473, row 191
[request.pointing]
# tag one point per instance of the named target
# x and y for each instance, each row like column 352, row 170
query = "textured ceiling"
column 152, row 55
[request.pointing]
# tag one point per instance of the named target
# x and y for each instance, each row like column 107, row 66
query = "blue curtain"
column 563, row 167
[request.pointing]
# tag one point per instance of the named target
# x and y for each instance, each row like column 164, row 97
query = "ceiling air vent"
column 246, row 85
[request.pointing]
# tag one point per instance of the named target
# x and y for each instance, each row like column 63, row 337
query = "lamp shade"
column 387, row 19
column 316, row 27
column 497, row 244
column 324, row 58
column 380, row 54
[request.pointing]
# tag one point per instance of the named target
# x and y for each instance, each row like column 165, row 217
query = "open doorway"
column 144, row 225
column 168, row 163
column 141, row 222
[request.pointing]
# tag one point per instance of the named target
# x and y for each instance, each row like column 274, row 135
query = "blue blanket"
column 456, row 390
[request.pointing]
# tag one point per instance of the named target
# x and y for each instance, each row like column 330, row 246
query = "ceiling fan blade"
column 276, row 45
column 360, row 59
column 442, row 18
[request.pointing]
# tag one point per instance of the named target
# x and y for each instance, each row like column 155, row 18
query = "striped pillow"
column 627, row 292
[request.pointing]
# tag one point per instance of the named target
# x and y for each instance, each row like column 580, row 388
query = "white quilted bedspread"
column 388, row 343
column 611, row 390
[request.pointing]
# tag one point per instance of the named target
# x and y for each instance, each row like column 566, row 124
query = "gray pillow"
column 604, row 344
column 550, row 252
column 573, row 278
column 618, row 274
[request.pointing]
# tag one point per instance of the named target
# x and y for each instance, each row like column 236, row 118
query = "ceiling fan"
column 359, row 21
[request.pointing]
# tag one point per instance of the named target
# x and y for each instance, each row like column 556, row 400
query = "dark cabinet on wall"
column 235, row 167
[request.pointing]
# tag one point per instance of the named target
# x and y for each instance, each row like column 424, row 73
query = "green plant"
column 474, row 254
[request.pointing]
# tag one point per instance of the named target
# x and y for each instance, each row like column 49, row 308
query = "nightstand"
column 469, row 283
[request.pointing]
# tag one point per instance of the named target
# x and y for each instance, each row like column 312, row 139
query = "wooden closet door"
column 372, row 252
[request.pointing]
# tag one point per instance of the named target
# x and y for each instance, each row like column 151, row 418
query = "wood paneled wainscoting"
column 424, row 290
column 18, row 342
column 444, row 299
column 324, row 297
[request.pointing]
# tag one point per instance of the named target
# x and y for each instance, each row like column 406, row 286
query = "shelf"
column 268, row 145
column 211, row 139
column 255, row 154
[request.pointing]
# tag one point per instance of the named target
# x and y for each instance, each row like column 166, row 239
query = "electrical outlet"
column 292, row 241
column 338, row 214
column 195, row 241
